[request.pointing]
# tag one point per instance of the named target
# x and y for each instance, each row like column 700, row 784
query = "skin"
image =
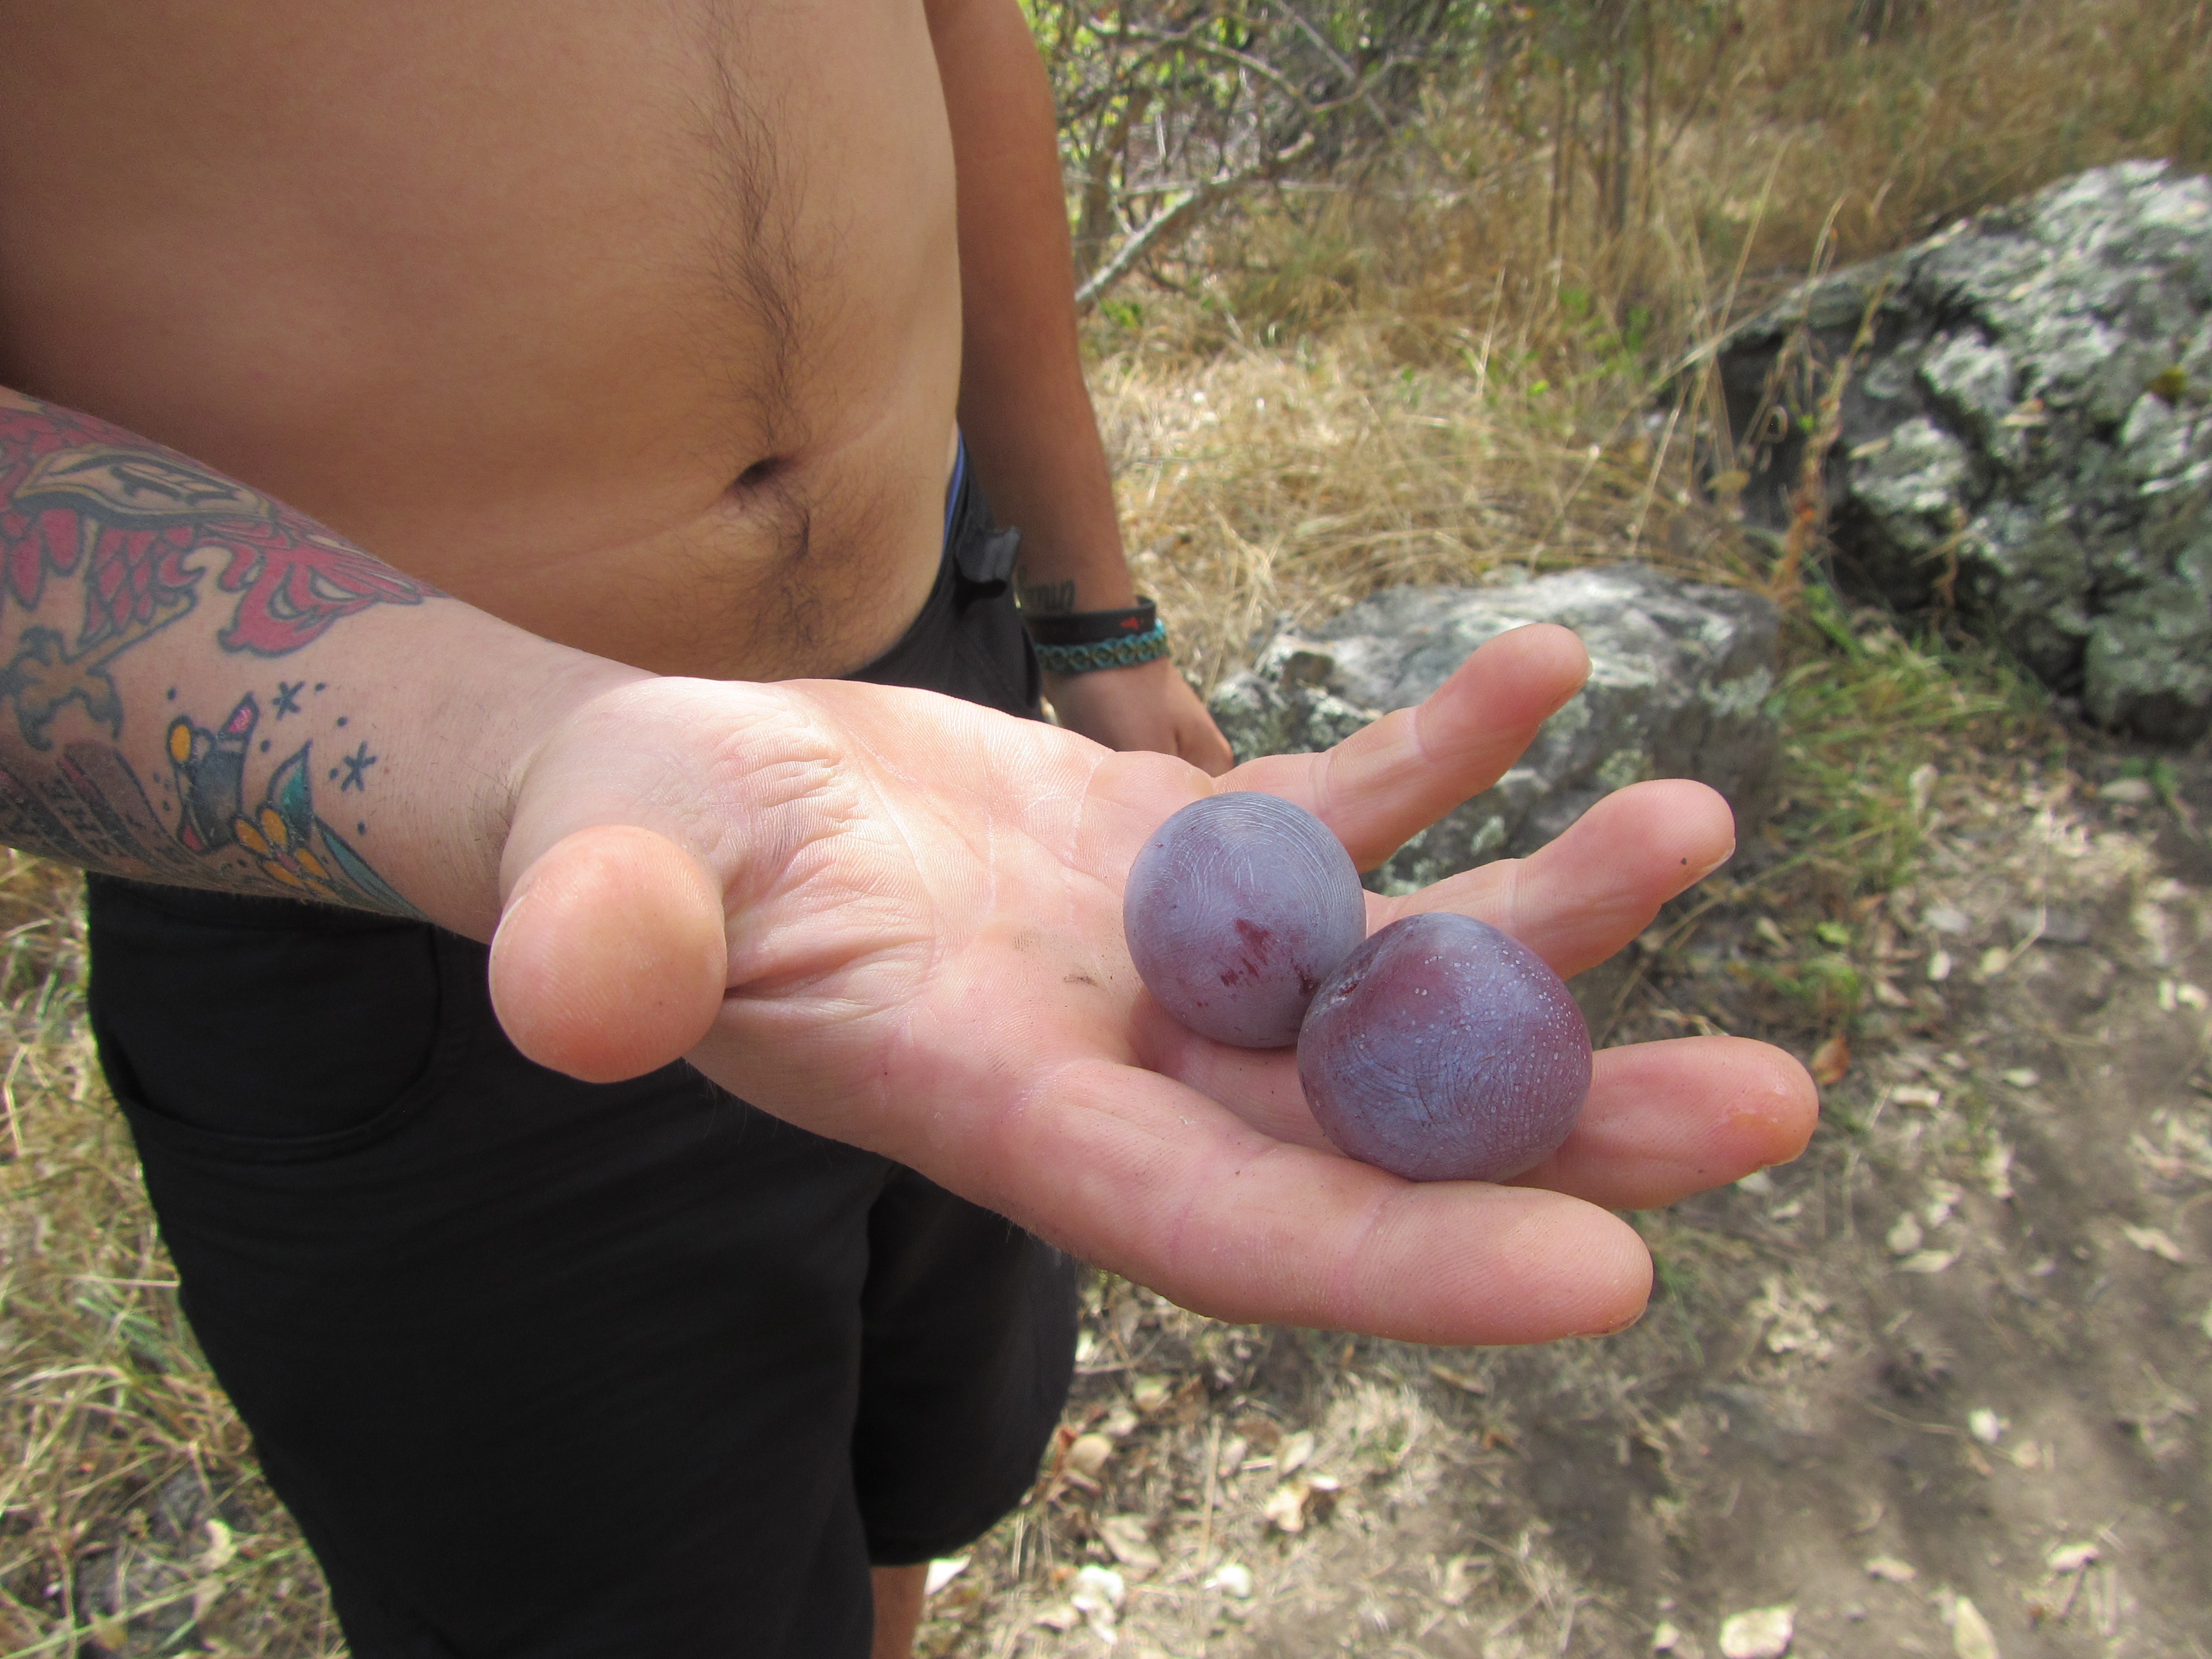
column 487, row 429
column 899, row 1608
column 876, row 909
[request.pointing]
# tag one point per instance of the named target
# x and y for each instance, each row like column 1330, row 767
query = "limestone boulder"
column 1681, row 681
column 2026, row 433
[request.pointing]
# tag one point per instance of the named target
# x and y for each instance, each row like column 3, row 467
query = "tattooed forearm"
column 82, row 499
column 105, row 540
column 194, row 828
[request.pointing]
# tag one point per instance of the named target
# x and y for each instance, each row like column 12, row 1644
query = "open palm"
column 896, row 919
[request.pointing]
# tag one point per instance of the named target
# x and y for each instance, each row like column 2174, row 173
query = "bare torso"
column 637, row 324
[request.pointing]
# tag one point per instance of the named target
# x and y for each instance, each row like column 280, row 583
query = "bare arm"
column 1023, row 407
column 204, row 688
column 885, row 915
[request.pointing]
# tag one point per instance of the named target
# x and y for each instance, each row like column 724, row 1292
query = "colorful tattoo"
column 131, row 522
column 93, row 810
column 79, row 496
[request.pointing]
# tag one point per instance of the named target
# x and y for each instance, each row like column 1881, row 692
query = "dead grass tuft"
column 129, row 1502
column 1260, row 484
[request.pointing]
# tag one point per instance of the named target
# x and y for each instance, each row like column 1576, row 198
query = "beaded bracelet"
column 1125, row 653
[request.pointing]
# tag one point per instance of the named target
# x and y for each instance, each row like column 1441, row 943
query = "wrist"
column 568, row 706
column 1087, row 641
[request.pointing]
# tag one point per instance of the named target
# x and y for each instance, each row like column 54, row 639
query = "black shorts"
column 551, row 1369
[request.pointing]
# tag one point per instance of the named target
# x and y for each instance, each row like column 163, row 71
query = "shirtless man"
column 461, row 456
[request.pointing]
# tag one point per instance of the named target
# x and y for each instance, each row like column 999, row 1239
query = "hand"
column 1150, row 707
column 914, row 906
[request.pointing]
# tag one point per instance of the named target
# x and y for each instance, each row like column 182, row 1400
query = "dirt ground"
column 1937, row 1388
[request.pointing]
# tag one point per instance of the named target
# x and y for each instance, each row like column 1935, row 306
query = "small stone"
column 1131, row 1542
column 1905, row 1236
column 2128, row 792
column 1985, row 1425
column 1285, row 1508
column 1890, row 1568
column 1088, row 1453
column 2070, row 1557
column 1665, row 1637
column 2022, row 1076
column 1928, row 1261
column 1098, row 1592
column 1761, row 1633
column 1231, row 1578
column 1148, row 1394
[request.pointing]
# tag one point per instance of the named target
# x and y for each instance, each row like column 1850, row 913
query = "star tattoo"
column 357, row 767
column 288, row 697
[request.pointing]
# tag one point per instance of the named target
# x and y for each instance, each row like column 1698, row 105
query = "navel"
column 760, row 474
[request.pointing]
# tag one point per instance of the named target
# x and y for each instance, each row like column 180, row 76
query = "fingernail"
column 1715, row 863
column 1615, row 1330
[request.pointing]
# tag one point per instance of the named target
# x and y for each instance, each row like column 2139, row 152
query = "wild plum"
column 1443, row 1049
column 1238, row 909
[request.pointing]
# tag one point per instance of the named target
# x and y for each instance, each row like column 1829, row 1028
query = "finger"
column 1260, row 1085
column 1665, row 1120
column 1204, row 747
column 1393, row 778
column 1662, row 1119
column 1159, row 1184
column 1578, row 900
column 610, row 959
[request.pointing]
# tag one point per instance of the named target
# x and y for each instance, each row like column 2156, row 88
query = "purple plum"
column 1443, row 1049
column 1236, row 910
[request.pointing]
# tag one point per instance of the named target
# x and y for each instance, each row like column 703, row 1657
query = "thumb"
column 610, row 960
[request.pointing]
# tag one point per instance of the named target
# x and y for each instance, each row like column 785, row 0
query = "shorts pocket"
column 261, row 1034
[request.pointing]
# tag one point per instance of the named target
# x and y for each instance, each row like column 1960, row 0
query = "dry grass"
column 1264, row 482
column 1793, row 143
column 129, row 1502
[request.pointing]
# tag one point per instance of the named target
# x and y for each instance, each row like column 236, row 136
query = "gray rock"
column 1680, row 679
column 2026, row 437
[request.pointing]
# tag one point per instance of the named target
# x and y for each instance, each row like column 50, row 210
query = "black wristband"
column 1093, row 627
